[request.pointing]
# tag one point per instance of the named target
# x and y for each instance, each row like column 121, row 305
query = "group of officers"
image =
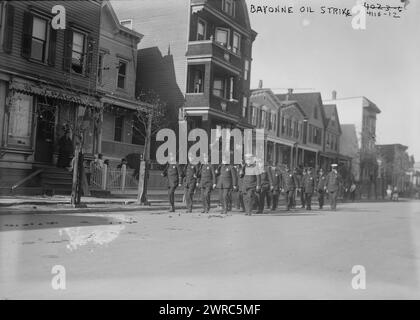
column 251, row 185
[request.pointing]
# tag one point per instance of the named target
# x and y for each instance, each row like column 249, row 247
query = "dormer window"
column 229, row 7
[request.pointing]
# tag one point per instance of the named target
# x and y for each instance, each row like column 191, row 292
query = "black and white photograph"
column 210, row 150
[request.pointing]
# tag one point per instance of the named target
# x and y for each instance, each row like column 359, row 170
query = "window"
column 263, row 119
column 246, row 70
column 118, row 128
column 244, row 107
column 274, row 121
column 296, row 129
column 254, row 116
column 289, row 127
column 229, row 7
column 236, row 43
column 201, row 30
column 122, row 73
column 39, row 39
column 78, row 52
column 283, row 125
column 100, row 67
column 219, row 87
column 128, row 23
column 20, row 120
column 222, row 36
column 196, row 78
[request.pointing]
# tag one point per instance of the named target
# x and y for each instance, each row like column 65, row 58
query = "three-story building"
column 197, row 55
column 47, row 80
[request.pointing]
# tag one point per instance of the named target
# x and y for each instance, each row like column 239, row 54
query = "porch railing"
column 113, row 180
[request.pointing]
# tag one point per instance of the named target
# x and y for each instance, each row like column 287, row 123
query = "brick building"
column 47, row 80
column 197, row 56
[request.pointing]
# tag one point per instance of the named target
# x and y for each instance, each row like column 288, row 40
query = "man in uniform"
column 206, row 182
column 289, row 187
column 190, row 182
column 174, row 174
column 300, row 175
column 333, row 185
column 321, row 185
column 227, row 181
column 251, row 183
column 238, row 195
column 266, row 188
column 277, row 184
column 308, row 187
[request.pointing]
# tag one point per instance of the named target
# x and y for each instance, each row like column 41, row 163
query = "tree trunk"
column 142, row 191
column 74, row 187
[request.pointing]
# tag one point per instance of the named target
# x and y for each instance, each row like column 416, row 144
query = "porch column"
column 291, row 157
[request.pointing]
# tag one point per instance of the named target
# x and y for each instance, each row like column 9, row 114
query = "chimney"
column 289, row 93
column 334, row 95
column 260, row 84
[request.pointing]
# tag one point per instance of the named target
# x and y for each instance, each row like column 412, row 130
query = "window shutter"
column 8, row 26
column 52, row 47
column 89, row 55
column 68, row 46
column 27, row 34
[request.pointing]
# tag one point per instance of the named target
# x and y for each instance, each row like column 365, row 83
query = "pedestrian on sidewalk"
column 353, row 188
column 65, row 150
column 174, row 174
column 333, row 186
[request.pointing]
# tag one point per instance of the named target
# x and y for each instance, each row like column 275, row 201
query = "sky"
column 315, row 52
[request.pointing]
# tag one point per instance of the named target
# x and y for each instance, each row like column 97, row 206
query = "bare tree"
column 149, row 118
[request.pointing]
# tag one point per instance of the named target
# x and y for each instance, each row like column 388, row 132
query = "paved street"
column 193, row 256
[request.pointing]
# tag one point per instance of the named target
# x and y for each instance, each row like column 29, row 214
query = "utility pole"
column 144, row 162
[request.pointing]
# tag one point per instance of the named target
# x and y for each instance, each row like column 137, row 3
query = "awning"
column 52, row 92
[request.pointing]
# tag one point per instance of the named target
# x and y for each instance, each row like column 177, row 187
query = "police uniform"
column 308, row 189
column 190, row 182
column 251, row 183
column 289, row 186
column 238, row 198
column 277, row 184
column 299, row 187
column 174, row 174
column 266, row 184
column 321, row 185
column 206, row 180
column 332, row 184
column 227, row 181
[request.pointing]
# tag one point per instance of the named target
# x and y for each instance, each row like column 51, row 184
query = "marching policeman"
column 277, row 184
column 174, row 174
column 238, row 195
column 206, row 182
column 227, row 181
column 190, row 182
column 308, row 188
column 251, row 183
column 321, row 186
column 333, row 184
column 289, row 187
column 266, row 188
column 300, row 175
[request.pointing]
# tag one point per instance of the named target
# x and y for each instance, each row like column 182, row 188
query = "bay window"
column 222, row 36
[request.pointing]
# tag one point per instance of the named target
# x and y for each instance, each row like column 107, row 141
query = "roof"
column 107, row 4
column 330, row 110
column 392, row 145
column 307, row 101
